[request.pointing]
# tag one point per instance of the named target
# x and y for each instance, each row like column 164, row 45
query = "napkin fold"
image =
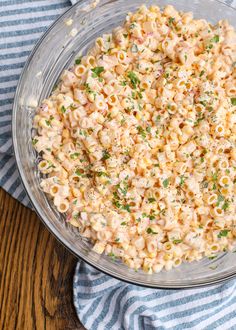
column 104, row 303
column 101, row 302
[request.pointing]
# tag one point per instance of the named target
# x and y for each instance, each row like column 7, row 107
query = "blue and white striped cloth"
column 104, row 303
column 101, row 302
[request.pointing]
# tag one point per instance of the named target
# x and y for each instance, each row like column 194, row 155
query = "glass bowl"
column 56, row 50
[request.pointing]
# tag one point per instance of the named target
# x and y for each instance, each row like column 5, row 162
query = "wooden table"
column 35, row 273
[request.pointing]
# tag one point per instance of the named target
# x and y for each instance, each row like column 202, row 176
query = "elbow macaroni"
column 138, row 140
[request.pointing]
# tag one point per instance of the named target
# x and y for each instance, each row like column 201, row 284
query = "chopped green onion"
column 78, row 60
column 133, row 79
column 223, row 233
column 150, row 231
column 233, row 100
column 165, row 183
column 97, row 71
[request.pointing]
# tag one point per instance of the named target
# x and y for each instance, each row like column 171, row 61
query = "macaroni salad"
column 138, row 140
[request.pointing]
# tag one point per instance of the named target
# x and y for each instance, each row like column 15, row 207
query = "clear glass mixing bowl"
column 57, row 50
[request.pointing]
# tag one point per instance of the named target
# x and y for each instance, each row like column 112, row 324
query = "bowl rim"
column 44, row 220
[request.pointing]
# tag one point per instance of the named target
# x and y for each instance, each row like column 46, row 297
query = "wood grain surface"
column 35, row 273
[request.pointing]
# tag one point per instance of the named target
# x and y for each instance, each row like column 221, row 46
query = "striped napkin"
column 101, row 302
column 22, row 22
